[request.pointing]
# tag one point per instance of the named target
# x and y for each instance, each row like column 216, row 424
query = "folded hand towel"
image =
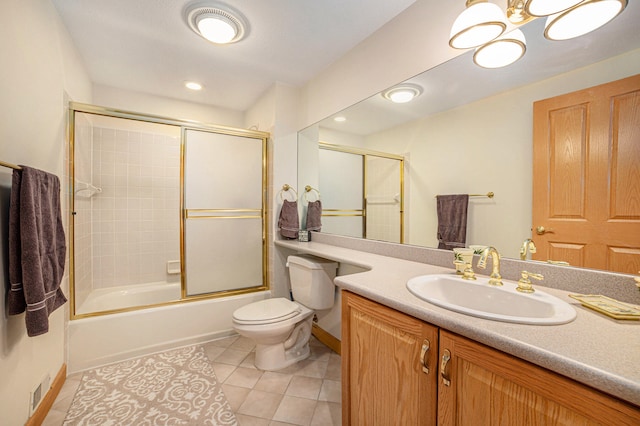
column 288, row 221
column 452, row 220
column 37, row 248
column 314, row 216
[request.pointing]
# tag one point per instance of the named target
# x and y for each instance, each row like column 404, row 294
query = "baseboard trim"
column 47, row 402
column 325, row 337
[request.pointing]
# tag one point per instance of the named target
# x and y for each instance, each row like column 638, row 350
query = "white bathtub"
column 105, row 339
column 127, row 296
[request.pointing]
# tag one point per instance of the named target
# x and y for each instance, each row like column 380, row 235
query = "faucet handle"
column 524, row 283
column 468, row 273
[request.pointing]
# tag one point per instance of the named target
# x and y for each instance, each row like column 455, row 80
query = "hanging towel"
column 37, row 248
column 452, row 220
column 314, row 215
column 288, row 221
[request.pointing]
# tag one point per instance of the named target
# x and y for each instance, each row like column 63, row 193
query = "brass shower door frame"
column 366, row 153
column 183, row 125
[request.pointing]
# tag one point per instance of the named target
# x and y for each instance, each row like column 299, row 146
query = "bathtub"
column 105, row 299
column 100, row 340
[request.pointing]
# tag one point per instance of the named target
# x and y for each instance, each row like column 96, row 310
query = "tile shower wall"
column 136, row 218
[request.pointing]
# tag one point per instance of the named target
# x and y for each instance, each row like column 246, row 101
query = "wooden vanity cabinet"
column 385, row 359
column 467, row 383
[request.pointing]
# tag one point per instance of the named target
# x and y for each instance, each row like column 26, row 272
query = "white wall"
column 414, row 41
column 39, row 65
column 491, row 151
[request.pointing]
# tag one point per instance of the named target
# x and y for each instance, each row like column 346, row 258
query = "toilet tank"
column 312, row 280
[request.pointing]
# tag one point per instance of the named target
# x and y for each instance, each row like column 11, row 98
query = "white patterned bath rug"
column 177, row 387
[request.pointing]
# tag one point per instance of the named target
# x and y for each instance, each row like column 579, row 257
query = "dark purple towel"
column 314, row 216
column 288, row 222
column 452, row 220
column 37, row 248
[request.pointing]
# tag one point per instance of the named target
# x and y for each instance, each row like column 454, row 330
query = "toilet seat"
column 267, row 311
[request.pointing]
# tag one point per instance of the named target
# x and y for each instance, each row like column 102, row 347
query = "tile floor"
column 307, row 393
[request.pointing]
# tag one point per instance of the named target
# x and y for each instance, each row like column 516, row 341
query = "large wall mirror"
column 470, row 131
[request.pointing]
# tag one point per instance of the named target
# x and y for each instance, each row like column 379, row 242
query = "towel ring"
column 308, row 189
column 286, row 188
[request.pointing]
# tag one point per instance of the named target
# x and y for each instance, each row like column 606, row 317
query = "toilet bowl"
column 281, row 328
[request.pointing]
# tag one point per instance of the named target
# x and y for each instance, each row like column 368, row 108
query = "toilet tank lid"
column 311, row 262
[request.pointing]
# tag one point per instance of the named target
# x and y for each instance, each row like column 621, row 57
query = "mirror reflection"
column 470, row 132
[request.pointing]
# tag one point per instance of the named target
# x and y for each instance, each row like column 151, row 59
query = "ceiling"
column 146, row 45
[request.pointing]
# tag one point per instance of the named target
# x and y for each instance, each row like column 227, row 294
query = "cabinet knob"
column 444, row 368
column 423, row 355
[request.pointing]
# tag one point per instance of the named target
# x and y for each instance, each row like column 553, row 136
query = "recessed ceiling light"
column 192, row 85
column 340, row 119
column 216, row 23
column 403, row 93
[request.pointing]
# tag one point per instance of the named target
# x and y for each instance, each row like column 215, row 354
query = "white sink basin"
column 479, row 299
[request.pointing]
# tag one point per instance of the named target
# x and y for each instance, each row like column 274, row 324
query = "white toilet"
column 281, row 328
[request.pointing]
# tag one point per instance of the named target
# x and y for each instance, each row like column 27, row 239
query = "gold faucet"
column 494, row 278
column 527, row 244
column 524, row 283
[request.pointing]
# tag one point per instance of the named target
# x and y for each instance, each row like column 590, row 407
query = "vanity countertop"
column 593, row 349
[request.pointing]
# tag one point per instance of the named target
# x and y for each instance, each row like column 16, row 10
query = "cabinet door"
column 482, row 386
column 389, row 369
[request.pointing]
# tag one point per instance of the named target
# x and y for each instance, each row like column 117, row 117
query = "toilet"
column 281, row 328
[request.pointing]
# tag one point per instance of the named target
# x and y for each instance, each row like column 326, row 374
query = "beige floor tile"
column 244, row 420
column 274, row 423
column 312, row 368
column 243, row 344
column 225, row 342
column 304, row 387
column 297, row 411
column 334, row 368
column 249, row 361
column 274, row 382
column 244, row 377
column 213, row 351
column 260, row 404
column 231, row 356
column 327, row 414
column 235, row 395
column 54, row 418
column 223, row 371
column 320, row 353
column 331, row 391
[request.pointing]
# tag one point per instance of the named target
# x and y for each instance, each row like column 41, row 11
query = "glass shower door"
column 223, row 213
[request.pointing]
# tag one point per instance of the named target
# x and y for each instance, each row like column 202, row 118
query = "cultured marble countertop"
column 593, row 349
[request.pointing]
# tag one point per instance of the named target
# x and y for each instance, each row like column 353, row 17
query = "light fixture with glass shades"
column 479, row 23
column 477, row 27
column 502, row 51
column 216, row 23
column 583, row 18
column 548, row 7
column 403, row 93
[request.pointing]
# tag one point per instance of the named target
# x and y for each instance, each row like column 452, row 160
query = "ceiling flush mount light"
column 192, row 85
column 216, row 24
column 340, row 119
column 478, row 24
column 583, row 18
column 403, row 93
column 548, row 7
column 502, row 51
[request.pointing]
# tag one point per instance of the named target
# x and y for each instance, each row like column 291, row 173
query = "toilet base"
column 289, row 352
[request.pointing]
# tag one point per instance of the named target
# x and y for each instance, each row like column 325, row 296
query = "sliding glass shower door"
column 223, row 213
